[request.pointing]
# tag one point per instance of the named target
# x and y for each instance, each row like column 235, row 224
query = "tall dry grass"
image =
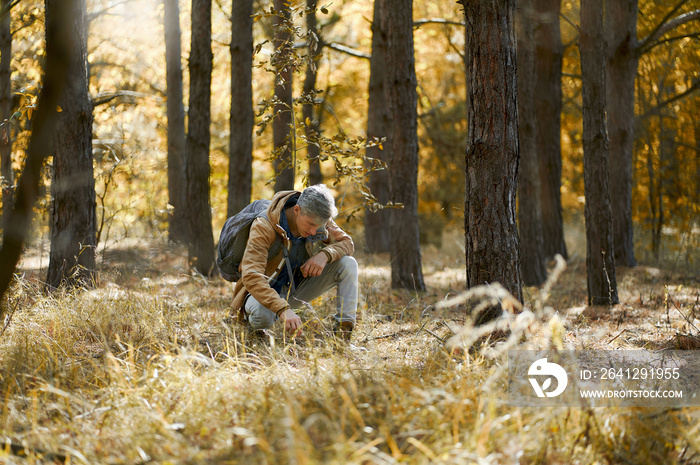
column 149, row 374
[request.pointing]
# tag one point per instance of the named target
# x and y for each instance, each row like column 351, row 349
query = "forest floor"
column 142, row 369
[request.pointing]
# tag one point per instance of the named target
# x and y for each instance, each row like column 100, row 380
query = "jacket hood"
column 274, row 211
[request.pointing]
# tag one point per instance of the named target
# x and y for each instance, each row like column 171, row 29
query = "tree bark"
column 176, row 123
column 284, row 110
column 534, row 271
column 548, row 105
column 59, row 51
column 72, row 213
column 600, row 258
column 311, row 118
column 242, row 117
column 201, row 237
column 621, row 32
column 377, row 224
column 406, row 272
column 491, row 233
column 696, row 135
column 6, row 171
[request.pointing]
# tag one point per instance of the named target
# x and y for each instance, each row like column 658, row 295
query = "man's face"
column 306, row 225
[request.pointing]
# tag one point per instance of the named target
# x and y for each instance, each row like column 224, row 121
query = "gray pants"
column 341, row 274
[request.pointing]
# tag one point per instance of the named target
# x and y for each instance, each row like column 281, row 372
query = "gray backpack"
column 234, row 238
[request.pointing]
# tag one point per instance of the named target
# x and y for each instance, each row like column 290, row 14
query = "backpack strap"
column 289, row 269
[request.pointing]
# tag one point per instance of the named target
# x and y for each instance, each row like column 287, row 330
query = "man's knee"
column 348, row 267
column 258, row 321
column 260, row 317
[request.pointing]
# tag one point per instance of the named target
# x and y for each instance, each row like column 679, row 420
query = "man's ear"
column 296, row 209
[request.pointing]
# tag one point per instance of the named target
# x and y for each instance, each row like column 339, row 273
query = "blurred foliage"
column 127, row 79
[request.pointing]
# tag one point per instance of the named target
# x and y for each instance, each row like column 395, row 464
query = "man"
column 319, row 255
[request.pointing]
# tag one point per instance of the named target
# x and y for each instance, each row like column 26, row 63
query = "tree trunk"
column 534, row 271
column 284, row 111
column 60, row 26
column 621, row 31
column 201, row 237
column 548, row 105
column 6, row 171
column 696, row 134
column 242, row 117
column 667, row 148
column 402, row 97
column 491, row 233
column 312, row 120
column 176, row 123
column 600, row 258
column 377, row 224
column 72, row 213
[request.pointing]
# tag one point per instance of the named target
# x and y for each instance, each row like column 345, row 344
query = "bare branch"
column 104, row 11
column 420, row 22
column 573, row 24
column 345, row 49
column 670, row 39
column 667, row 25
column 7, row 10
column 661, row 105
column 106, row 97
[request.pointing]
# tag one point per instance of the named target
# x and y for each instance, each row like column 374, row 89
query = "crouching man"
column 315, row 257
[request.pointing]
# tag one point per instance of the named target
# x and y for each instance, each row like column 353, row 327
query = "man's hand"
column 314, row 265
column 292, row 322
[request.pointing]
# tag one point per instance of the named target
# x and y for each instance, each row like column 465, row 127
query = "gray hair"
column 318, row 203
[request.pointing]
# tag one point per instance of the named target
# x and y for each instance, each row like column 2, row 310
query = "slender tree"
column 59, row 22
column 312, row 119
column 600, row 258
column 242, row 117
column 624, row 50
column 621, row 34
column 548, row 104
column 6, row 171
column 72, row 219
column 377, row 224
column 176, row 123
column 529, row 206
column 491, row 233
column 197, row 170
column 402, row 97
column 282, row 124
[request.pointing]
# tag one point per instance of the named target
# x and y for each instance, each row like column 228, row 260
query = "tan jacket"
column 257, row 272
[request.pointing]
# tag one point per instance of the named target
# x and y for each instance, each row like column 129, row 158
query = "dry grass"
column 142, row 370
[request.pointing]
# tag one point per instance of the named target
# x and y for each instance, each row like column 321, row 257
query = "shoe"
column 343, row 330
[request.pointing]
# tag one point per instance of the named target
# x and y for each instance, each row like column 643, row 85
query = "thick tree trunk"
column 312, row 119
column 284, row 111
column 621, row 31
column 491, row 233
column 242, row 117
column 176, row 123
column 72, row 215
column 6, row 171
column 534, row 271
column 548, row 105
column 600, row 259
column 400, row 84
column 59, row 54
column 377, row 224
column 197, row 170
